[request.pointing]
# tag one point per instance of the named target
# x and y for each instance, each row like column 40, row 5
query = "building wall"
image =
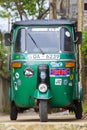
column 4, row 103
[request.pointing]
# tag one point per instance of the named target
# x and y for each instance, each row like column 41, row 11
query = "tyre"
column 78, row 110
column 13, row 111
column 43, row 111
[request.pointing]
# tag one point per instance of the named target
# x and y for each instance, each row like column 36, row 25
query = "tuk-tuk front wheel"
column 13, row 111
column 43, row 111
column 78, row 109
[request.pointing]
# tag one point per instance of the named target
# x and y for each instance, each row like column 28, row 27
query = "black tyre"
column 78, row 110
column 13, row 111
column 43, row 111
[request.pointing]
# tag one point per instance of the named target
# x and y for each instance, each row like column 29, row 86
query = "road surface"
column 31, row 116
column 30, row 121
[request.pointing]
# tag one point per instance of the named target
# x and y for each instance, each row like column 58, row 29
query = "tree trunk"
column 20, row 9
column 52, row 9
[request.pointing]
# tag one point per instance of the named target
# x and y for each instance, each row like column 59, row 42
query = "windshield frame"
column 67, row 27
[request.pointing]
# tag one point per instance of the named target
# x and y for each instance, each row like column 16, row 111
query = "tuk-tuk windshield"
column 43, row 40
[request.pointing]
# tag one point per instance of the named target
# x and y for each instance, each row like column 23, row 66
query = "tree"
column 59, row 9
column 84, row 44
column 35, row 9
column 3, row 57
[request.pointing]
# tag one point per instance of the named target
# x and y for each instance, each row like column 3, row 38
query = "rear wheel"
column 13, row 111
column 43, row 111
column 78, row 109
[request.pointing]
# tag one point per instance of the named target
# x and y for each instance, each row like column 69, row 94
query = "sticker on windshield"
column 46, row 29
column 67, row 33
column 59, row 72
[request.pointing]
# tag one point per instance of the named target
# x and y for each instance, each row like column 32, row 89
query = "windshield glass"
column 43, row 40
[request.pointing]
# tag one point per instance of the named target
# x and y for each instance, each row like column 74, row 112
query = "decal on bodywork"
column 58, row 81
column 17, row 75
column 54, row 64
column 65, row 81
column 71, row 77
column 59, row 72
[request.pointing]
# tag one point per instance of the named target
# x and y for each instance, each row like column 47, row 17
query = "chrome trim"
column 43, row 60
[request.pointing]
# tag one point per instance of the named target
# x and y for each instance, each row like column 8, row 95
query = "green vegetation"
column 35, row 9
column 3, row 56
column 84, row 104
column 84, row 44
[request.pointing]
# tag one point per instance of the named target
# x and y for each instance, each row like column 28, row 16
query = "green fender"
column 81, row 93
column 11, row 96
column 39, row 95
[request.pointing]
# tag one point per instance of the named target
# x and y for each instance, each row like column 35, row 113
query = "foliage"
column 3, row 59
column 3, row 55
column 84, row 44
column 84, row 105
column 34, row 9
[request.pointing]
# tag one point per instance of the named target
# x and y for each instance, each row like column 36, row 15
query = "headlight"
column 42, row 88
column 42, row 75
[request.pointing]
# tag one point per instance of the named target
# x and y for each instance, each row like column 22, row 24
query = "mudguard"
column 81, row 93
column 39, row 95
column 10, row 94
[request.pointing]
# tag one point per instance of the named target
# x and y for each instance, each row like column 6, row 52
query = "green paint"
column 60, row 95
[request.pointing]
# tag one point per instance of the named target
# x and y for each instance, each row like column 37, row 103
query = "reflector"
column 70, row 64
column 16, row 64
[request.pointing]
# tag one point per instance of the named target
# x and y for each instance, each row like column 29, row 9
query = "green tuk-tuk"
column 44, row 67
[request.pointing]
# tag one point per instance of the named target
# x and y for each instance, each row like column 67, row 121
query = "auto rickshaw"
column 44, row 67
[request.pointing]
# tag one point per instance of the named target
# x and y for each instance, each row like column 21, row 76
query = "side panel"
column 22, row 88
column 62, row 84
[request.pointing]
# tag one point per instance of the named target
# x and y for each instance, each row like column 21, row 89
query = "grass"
column 84, row 105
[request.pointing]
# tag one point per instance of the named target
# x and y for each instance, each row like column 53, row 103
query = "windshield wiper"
column 35, row 43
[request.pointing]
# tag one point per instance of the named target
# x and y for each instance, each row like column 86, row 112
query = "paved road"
column 30, row 121
column 31, row 116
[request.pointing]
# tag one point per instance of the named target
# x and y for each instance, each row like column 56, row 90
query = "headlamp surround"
column 42, row 87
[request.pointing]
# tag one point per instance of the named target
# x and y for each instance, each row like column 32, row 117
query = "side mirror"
column 7, row 37
column 78, row 37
